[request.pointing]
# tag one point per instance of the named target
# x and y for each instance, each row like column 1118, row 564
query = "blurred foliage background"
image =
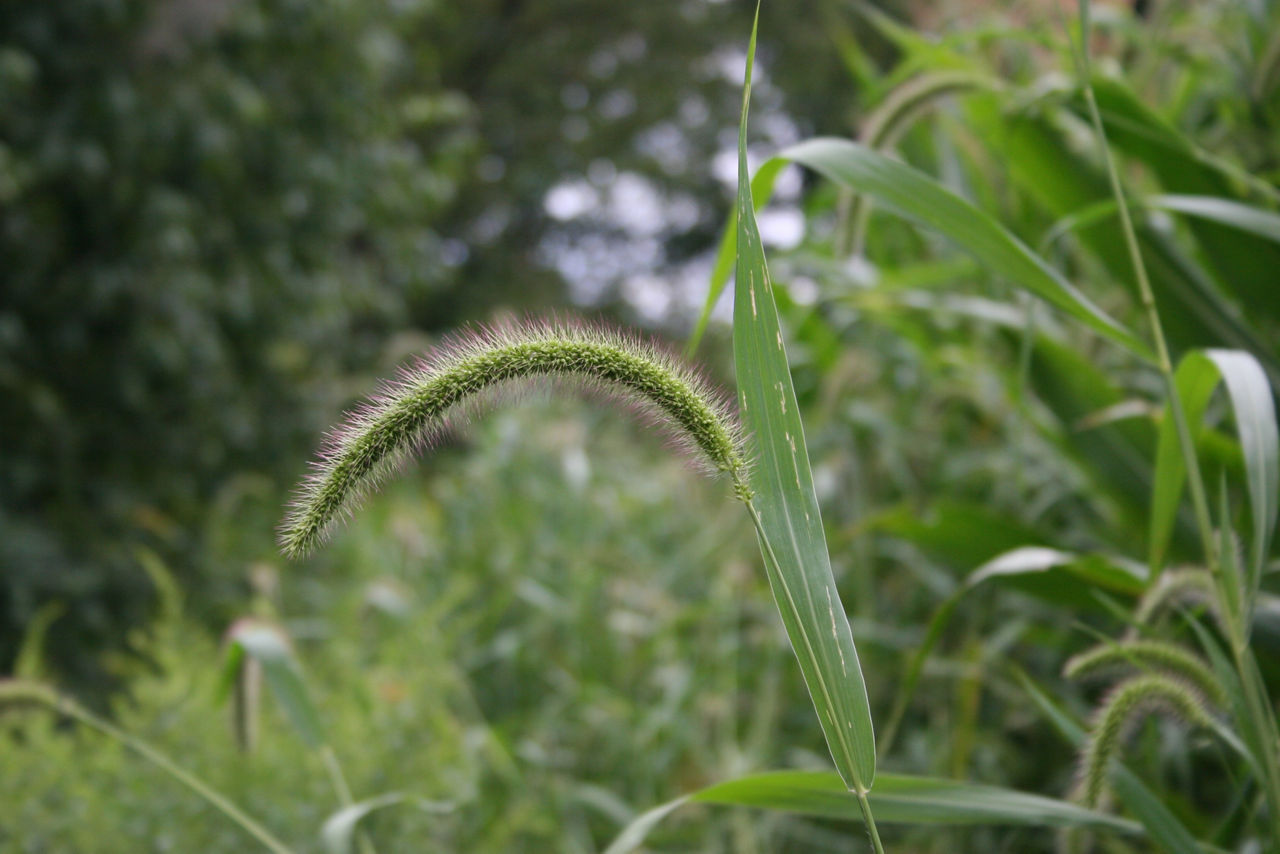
column 222, row 220
column 219, row 218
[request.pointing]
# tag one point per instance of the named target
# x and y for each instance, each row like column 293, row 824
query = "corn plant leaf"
column 786, row 507
column 897, row 799
column 1198, row 374
column 267, row 645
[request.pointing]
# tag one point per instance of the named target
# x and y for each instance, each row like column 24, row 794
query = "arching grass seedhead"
column 1177, row 588
column 1146, row 656
column 1126, row 705
column 415, row 408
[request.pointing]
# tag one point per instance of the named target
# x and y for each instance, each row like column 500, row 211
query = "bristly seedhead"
column 1147, row 656
column 413, row 410
column 1128, row 703
column 1180, row 587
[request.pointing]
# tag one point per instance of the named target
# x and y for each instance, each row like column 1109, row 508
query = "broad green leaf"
column 885, row 125
column 1094, row 572
column 1116, row 456
column 1195, row 378
column 1161, row 825
column 785, row 505
column 1198, row 374
column 923, row 200
column 897, row 799
column 268, row 645
column 945, row 531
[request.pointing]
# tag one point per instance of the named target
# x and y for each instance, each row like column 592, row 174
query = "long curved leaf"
column 339, row 830
column 897, row 799
column 924, row 200
column 785, row 506
column 1198, row 374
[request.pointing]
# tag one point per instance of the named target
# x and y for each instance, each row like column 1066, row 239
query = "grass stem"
column 869, row 822
column 77, row 712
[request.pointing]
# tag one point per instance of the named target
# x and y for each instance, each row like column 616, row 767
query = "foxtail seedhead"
column 413, row 410
column 1127, row 704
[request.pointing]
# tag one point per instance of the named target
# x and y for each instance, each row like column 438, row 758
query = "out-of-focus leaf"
column 946, row 531
column 1226, row 212
column 1245, row 264
column 338, row 832
column 1198, row 374
column 897, row 799
column 1045, row 166
column 269, row 646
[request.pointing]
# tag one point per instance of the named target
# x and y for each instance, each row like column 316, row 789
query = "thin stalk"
column 1246, row 666
column 336, row 777
column 870, row 823
column 1199, row 496
column 75, row 711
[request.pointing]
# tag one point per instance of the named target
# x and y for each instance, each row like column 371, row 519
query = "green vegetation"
column 1006, row 420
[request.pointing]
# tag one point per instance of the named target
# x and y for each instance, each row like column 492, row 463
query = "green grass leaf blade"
column 1237, row 215
column 726, row 254
column 1249, row 391
column 897, row 799
column 924, row 200
column 905, row 799
column 1053, row 575
column 1251, row 400
column 786, row 506
column 1196, row 378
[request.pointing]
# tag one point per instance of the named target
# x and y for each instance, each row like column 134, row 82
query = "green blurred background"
column 222, row 220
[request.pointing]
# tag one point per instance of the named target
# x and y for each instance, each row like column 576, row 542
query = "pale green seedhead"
column 1127, row 704
column 415, row 408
